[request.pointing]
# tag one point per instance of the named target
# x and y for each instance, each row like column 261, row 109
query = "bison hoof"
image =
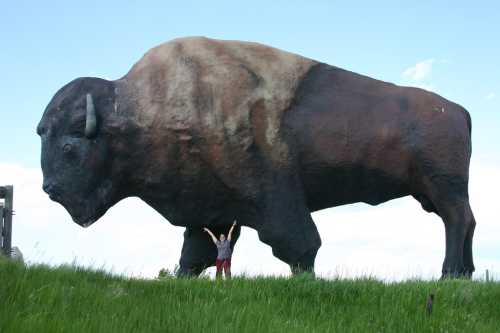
column 189, row 272
column 305, row 264
column 464, row 274
column 298, row 271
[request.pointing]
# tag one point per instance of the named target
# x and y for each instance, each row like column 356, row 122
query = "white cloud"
column 420, row 71
column 395, row 240
column 490, row 96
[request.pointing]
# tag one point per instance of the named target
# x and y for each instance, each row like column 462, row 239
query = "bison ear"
column 91, row 119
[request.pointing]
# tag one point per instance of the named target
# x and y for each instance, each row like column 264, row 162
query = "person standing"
column 223, row 252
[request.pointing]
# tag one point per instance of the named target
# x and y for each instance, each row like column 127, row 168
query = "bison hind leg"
column 447, row 196
column 459, row 228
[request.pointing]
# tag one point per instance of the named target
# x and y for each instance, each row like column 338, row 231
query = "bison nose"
column 49, row 188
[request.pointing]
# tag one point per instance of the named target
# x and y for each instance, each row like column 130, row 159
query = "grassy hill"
column 72, row 299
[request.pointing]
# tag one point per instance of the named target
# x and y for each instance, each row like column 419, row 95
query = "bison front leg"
column 287, row 226
column 198, row 250
column 294, row 239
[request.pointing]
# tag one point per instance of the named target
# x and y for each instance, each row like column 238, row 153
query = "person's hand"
column 205, row 229
column 234, row 223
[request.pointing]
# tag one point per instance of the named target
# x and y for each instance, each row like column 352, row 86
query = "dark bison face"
column 75, row 159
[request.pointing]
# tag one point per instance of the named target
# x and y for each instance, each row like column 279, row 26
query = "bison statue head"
column 76, row 149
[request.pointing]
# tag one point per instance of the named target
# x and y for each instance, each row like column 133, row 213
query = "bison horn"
column 91, row 119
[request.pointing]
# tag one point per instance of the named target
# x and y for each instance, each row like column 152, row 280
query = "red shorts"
column 223, row 263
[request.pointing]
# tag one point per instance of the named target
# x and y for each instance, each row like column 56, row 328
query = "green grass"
column 72, row 299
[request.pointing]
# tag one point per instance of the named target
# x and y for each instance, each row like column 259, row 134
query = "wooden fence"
column 6, row 212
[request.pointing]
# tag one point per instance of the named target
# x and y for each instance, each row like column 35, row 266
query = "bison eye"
column 67, row 148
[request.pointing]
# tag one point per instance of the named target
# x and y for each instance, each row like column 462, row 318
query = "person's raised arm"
column 214, row 239
column 231, row 231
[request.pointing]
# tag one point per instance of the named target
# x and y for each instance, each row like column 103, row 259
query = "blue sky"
column 450, row 47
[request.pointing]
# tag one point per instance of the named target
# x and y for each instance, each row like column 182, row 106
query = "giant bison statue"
column 208, row 131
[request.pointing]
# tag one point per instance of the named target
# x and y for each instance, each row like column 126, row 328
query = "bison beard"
column 208, row 131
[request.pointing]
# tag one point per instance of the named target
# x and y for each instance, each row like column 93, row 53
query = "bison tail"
column 469, row 126
column 469, row 123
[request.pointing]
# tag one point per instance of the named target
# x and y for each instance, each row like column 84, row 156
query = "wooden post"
column 1, row 227
column 8, row 193
column 487, row 276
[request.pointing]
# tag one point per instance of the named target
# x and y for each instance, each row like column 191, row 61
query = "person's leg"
column 218, row 265
column 227, row 268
